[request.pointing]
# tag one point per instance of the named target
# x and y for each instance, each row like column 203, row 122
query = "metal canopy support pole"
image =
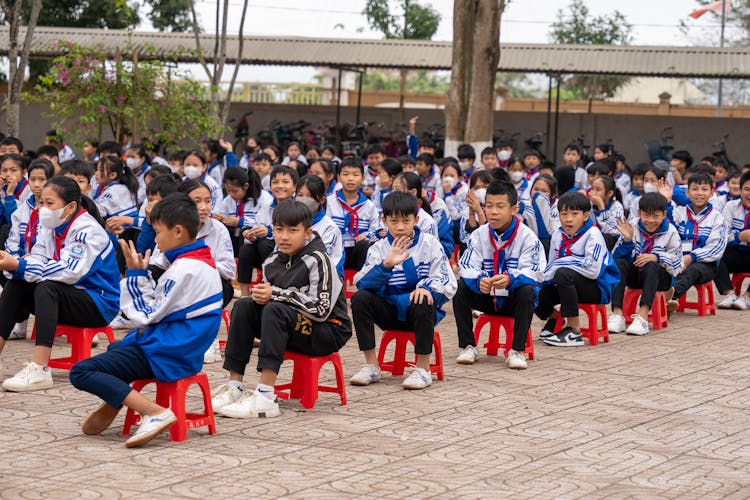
column 557, row 118
column 549, row 115
column 359, row 94
column 338, row 113
column 720, row 104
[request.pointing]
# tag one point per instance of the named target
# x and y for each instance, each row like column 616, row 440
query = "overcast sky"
column 655, row 22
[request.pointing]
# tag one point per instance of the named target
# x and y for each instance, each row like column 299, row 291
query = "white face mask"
column 175, row 170
column 649, row 187
column 132, row 163
column 450, row 181
column 481, row 194
column 516, row 176
column 192, row 172
column 503, row 155
column 465, row 165
column 51, row 218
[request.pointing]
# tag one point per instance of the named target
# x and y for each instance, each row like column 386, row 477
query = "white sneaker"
column 151, row 427
column 32, row 377
column 251, row 404
column 616, row 323
column 19, row 331
column 121, row 323
column 225, row 395
column 213, row 354
column 728, row 301
column 742, row 303
column 419, row 378
column 516, row 360
column 467, row 356
column 369, row 374
column 639, row 326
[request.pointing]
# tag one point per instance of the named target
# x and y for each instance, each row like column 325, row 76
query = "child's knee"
column 525, row 293
column 360, row 299
column 44, row 292
column 565, row 276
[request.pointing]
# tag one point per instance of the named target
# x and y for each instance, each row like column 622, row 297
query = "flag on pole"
column 712, row 7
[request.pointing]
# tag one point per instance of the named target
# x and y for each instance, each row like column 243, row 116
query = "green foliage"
column 418, row 82
column 417, row 22
column 170, row 15
column 577, row 26
column 87, row 92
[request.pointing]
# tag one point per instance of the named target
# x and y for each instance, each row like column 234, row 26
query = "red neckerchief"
column 202, row 254
column 353, row 216
column 497, row 249
column 240, row 209
column 467, row 175
column 648, row 242
column 530, row 173
column 32, row 227
column 429, row 177
column 431, row 196
column 747, row 216
column 60, row 238
column 19, row 189
column 566, row 244
column 99, row 190
column 696, row 227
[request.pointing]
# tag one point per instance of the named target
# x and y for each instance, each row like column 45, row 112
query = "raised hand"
column 134, row 260
column 398, row 252
column 665, row 189
column 625, row 228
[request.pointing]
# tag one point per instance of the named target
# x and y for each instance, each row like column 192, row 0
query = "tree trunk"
column 237, row 62
column 480, row 114
column 464, row 18
column 402, row 93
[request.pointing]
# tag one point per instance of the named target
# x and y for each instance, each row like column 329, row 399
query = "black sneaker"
column 566, row 338
column 549, row 329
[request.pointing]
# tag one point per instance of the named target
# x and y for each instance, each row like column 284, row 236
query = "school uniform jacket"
column 703, row 235
column 331, row 238
column 78, row 253
column 720, row 201
column 24, row 228
column 115, row 199
column 586, row 253
column 630, row 203
column 524, row 190
column 443, row 222
column 141, row 177
column 622, row 181
column 427, row 267
column 540, row 215
column 10, row 203
column 581, row 178
column 216, row 237
column 432, row 181
column 664, row 243
column 177, row 318
column 516, row 252
column 214, row 188
column 371, row 178
column 218, row 168
column 353, row 220
column 738, row 220
column 606, row 218
column 455, row 200
column 245, row 210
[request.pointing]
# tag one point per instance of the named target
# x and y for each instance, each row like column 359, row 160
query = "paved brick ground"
column 662, row 416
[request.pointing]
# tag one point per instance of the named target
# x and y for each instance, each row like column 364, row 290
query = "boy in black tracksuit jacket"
column 300, row 306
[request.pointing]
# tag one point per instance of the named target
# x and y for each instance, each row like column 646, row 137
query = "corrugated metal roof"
column 708, row 62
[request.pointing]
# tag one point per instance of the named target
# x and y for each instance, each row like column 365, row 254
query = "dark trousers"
column 369, row 309
column 649, row 279
column 569, row 290
column 354, row 257
column 519, row 305
column 733, row 261
column 280, row 328
column 52, row 303
column 696, row 273
column 109, row 374
column 252, row 256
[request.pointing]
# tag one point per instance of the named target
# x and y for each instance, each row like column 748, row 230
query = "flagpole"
column 721, row 44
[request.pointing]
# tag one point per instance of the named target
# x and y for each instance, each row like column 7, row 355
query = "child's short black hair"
column 352, row 162
column 110, row 148
column 259, row 157
column 640, row 169
column 426, row 158
column 684, row 157
column 489, row 152
column 466, row 151
column 77, row 167
column 42, row 164
column 12, row 141
column 177, row 209
column 573, row 147
column 178, row 156
column 659, row 172
column 375, row 149
column 733, row 174
column 406, row 160
column 484, row 176
column 503, row 188
column 745, row 177
column 700, row 178
column 533, row 152
column 427, row 143
column 391, row 167
column 157, row 170
column 652, row 202
column 50, row 151
column 499, row 175
column 550, row 181
column 291, row 213
column 701, row 168
column 449, row 160
column 599, row 168
column 163, row 185
column 284, row 170
column 400, row 203
column 573, row 201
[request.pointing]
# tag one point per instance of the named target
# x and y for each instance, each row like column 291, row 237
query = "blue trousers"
column 109, row 374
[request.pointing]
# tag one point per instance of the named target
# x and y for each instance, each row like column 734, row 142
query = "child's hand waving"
column 398, row 252
column 625, row 228
column 134, row 260
column 665, row 189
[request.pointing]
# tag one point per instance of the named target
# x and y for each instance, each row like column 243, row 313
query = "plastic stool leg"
column 438, row 348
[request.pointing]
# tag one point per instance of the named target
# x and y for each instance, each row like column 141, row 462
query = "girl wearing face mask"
column 541, row 213
column 72, row 248
column 474, row 216
column 453, row 191
column 195, row 168
column 607, row 209
column 516, row 172
column 650, row 184
column 136, row 160
column 115, row 194
column 311, row 191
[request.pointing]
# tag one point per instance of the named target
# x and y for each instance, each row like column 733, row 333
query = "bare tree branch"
column 237, row 62
column 196, row 32
column 223, row 46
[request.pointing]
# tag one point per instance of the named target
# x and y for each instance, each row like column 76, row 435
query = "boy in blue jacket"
column 177, row 319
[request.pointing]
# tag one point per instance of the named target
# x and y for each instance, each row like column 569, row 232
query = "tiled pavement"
column 661, row 416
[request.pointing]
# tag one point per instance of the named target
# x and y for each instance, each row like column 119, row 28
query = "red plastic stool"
column 349, row 282
column 80, row 343
column 493, row 343
column 455, row 255
column 705, row 303
column 305, row 384
column 397, row 365
column 657, row 315
column 595, row 313
column 737, row 279
column 172, row 395
column 226, row 315
column 258, row 277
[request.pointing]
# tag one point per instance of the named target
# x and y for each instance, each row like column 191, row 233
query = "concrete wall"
column 629, row 132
